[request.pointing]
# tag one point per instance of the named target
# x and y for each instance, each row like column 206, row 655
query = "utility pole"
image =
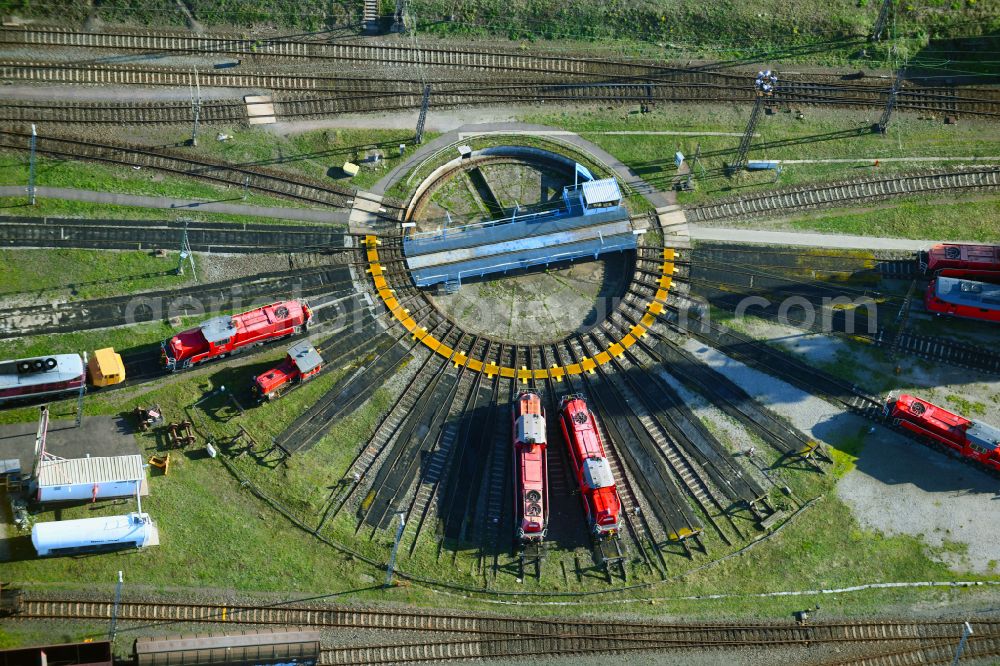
column 883, row 18
column 764, row 86
column 31, row 167
column 890, row 103
column 966, row 632
column 422, row 118
column 186, row 254
column 395, row 548
column 114, row 612
column 195, row 107
column 398, row 25
column 79, row 397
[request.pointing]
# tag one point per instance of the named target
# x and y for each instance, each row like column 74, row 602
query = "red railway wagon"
column 962, row 257
column 301, row 364
column 222, row 336
column 952, row 296
column 26, row 378
column 975, row 440
column 531, row 470
column 590, row 465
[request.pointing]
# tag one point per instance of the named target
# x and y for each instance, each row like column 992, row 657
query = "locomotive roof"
column 984, row 435
column 304, row 356
column 218, row 329
column 597, row 473
column 531, row 429
column 968, row 292
column 68, row 367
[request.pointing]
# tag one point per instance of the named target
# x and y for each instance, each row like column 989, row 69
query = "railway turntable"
column 590, row 221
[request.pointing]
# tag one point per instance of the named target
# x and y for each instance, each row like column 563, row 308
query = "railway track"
column 502, row 62
column 782, row 202
column 381, row 98
column 300, row 188
column 511, row 625
column 211, row 237
column 165, row 304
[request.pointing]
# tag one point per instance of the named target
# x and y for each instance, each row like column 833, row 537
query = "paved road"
column 302, row 214
column 810, row 239
column 625, row 174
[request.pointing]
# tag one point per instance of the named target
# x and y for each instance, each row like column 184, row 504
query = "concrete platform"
column 97, row 436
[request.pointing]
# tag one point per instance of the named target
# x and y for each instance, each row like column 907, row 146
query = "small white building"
column 593, row 196
column 75, row 479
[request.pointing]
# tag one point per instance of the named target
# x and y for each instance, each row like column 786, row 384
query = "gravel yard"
column 897, row 486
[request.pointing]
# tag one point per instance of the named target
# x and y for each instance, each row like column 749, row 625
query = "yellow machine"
column 105, row 367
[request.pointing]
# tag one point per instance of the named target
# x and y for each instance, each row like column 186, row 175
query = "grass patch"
column 318, row 154
column 821, row 134
column 967, row 407
column 919, row 219
column 54, row 172
column 45, row 207
column 86, row 273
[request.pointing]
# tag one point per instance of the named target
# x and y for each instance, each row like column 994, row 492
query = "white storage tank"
column 75, row 479
column 87, row 535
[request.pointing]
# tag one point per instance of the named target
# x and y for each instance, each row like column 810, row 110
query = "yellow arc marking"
column 557, row 372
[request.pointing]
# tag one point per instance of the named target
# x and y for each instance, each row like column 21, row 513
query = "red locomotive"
column 531, row 470
column 302, row 363
column 222, row 336
column 963, row 257
column 971, row 439
column 949, row 294
column 593, row 472
column 26, row 378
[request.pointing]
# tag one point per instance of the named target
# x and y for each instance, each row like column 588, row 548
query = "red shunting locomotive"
column 301, row 364
column 590, row 464
column 222, row 336
column 531, row 471
column 961, row 257
column 965, row 281
column 969, row 438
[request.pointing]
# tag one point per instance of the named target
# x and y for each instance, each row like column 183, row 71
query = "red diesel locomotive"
column 531, row 471
column 590, row 464
column 975, row 440
column 302, row 363
column 962, row 257
column 222, row 336
column 950, row 294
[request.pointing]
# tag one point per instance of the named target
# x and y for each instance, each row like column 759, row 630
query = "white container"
column 67, row 537
column 75, row 479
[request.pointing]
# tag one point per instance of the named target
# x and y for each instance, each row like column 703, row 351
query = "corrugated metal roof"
column 601, row 191
column 77, row 471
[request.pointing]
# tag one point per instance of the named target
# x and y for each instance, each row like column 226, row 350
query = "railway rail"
column 162, row 305
column 781, row 202
column 499, row 61
column 483, row 625
column 300, row 188
column 381, row 98
column 210, row 237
